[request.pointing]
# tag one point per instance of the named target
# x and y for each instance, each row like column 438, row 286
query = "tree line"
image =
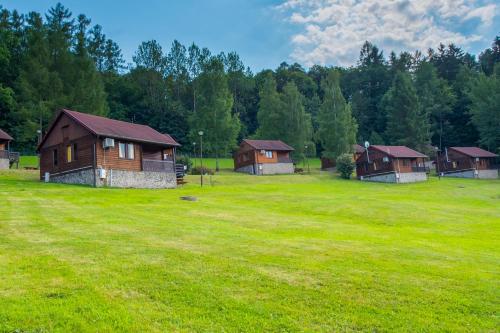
column 442, row 97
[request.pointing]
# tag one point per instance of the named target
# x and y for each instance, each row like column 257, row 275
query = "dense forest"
column 438, row 97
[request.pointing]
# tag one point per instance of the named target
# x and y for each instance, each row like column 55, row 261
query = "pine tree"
column 87, row 89
column 271, row 115
column 337, row 128
column 407, row 125
column 485, row 108
column 436, row 99
column 297, row 124
column 213, row 115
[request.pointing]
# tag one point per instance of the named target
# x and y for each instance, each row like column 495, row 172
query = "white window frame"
column 130, row 151
column 122, row 150
column 269, row 154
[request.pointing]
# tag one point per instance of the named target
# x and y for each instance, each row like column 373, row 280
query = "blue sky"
column 267, row 32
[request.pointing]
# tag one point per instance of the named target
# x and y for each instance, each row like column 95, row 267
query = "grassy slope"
column 276, row 253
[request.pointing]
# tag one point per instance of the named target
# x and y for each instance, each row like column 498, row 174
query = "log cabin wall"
column 378, row 165
column 262, row 158
column 244, row 156
column 457, row 161
column 109, row 158
column 66, row 135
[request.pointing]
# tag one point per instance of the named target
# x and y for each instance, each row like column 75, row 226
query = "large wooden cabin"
column 81, row 148
column 467, row 162
column 391, row 164
column 329, row 164
column 5, row 140
column 263, row 157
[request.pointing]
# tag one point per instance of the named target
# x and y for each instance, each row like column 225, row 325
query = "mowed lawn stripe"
column 280, row 253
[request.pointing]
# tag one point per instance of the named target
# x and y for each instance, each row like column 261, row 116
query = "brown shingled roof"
column 399, row 151
column 269, row 145
column 5, row 136
column 358, row 148
column 474, row 151
column 118, row 129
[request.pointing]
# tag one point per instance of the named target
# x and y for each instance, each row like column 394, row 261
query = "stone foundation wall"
column 406, row 177
column 488, row 174
column 385, row 178
column 142, row 179
column 412, row 177
column 4, row 163
column 246, row 169
column 118, row 178
column 80, row 177
column 460, row 174
column 276, row 168
column 482, row 174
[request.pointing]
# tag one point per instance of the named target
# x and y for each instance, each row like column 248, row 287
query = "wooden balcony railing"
column 157, row 166
column 284, row 160
column 420, row 169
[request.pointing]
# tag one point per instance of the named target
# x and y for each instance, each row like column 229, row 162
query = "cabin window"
column 121, row 150
column 269, row 154
column 130, row 151
column 406, row 163
column 54, row 157
column 126, row 150
column 75, row 152
column 68, row 154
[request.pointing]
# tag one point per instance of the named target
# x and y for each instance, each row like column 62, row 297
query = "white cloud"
column 332, row 31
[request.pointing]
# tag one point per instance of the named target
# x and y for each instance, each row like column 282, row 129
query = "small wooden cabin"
column 263, row 157
column 5, row 140
column 81, row 148
column 467, row 162
column 329, row 164
column 391, row 164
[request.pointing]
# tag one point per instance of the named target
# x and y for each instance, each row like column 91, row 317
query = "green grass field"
column 224, row 163
column 28, row 161
column 275, row 254
column 227, row 163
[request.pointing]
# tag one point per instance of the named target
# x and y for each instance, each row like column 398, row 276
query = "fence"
column 157, row 166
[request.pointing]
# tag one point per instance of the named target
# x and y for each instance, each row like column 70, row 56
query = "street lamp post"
column 194, row 153
column 200, row 133
column 307, row 160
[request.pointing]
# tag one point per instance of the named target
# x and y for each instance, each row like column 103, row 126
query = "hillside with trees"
column 440, row 97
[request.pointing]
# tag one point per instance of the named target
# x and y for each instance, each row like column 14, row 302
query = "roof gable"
column 276, row 145
column 474, row 151
column 5, row 136
column 398, row 151
column 358, row 149
column 117, row 129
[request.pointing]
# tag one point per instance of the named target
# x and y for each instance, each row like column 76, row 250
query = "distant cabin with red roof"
column 81, row 148
column 5, row 139
column 329, row 164
column 391, row 164
column 263, row 157
column 467, row 162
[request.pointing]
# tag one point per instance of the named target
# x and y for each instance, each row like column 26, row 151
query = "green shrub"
column 206, row 171
column 345, row 165
column 184, row 160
